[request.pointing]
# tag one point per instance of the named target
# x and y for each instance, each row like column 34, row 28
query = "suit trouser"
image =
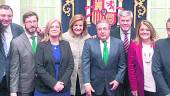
column 4, row 91
column 124, row 89
column 25, row 94
column 103, row 94
column 147, row 93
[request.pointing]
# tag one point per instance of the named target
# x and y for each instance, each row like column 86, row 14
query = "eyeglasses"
column 145, row 29
column 30, row 22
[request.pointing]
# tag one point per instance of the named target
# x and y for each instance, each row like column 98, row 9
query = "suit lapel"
column 2, row 50
column 26, row 42
column 98, row 49
column 49, row 53
column 61, row 44
column 14, row 34
column 132, row 33
column 118, row 35
column 110, row 51
column 139, row 55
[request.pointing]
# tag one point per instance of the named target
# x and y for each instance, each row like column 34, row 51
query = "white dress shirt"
column 122, row 35
column 7, row 35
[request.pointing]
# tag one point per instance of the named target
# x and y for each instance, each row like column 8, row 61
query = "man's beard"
column 32, row 31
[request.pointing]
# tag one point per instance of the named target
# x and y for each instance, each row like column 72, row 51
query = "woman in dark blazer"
column 54, row 63
column 140, row 54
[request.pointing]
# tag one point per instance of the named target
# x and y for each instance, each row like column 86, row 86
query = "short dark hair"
column 6, row 7
column 28, row 14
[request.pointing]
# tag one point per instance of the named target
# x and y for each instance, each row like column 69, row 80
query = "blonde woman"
column 54, row 63
column 76, row 35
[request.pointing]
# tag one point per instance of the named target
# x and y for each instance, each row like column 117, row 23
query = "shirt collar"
column 128, row 32
column 7, row 29
column 108, row 40
column 29, row 36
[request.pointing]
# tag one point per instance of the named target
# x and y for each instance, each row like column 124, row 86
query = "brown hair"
column 6, row 7
column 47, row 29
column 151, row 28
column 74, row 19
column 28, row 14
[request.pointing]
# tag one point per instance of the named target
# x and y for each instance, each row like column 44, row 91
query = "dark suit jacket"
column 22, row 65
column 45, row 65
column 116, row 33
column 161, row 66
column 94, row 69
column 4, row 60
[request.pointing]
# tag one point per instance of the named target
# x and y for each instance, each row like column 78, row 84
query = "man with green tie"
column 103, row 62
column 22, row 64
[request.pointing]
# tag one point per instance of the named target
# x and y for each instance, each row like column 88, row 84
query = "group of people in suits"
column 75, row 63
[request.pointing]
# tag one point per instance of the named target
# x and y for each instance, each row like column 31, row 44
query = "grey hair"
column 125, row 13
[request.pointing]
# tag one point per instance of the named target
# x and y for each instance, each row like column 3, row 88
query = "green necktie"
column 105, row 53
column 34, row 45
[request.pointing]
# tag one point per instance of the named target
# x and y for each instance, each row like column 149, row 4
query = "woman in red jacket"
column 140, row 54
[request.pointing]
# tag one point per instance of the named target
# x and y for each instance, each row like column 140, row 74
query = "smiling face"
column 31, row 24
column 78, row 27
column 144, row 32
column 125, row 23
column 55, row 29
column 6, row 17
column 103, row 31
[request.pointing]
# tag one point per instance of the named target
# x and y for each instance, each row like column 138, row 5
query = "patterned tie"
column 105, row 53
column 34, row 45
column 126, row 42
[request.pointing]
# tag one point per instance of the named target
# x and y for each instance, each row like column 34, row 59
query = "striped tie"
column 126, row 42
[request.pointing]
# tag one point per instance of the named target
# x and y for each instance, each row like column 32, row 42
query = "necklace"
column 147, row 52
column 147, row 57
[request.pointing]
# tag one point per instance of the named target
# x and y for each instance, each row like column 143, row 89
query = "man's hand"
column 89, row 89
column 167, row 95
column 58, row 86
column 114, row 84
column 13, row 94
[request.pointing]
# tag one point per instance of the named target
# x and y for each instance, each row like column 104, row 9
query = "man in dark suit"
column 161, row 64
column 22, row 64
column 103, row 73
column 125, row 27
column 10, row 31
